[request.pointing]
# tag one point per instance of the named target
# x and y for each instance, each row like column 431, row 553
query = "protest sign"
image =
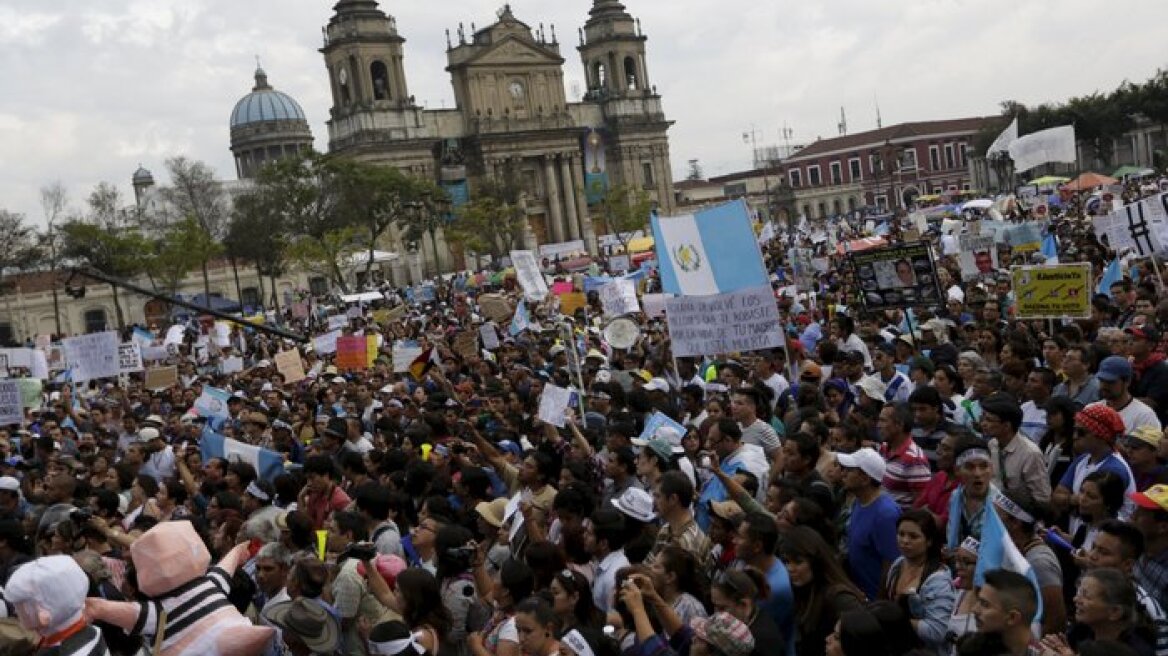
column 92, row 356
column 11, row 403
column 174, row 335
column 552, row 404
column 338, row 321
column 55, row 355
column 154, row 353
column 562, row 287
column 405, row 353
column 160, row 378
column 290, row 365
column 466, row 343
column 896, row 277
column 130, row 358
column 1024, row 237
column 571, row 302
column 326, row 344
column 653, row 305
column 352, row 352
column 1052, row 291
column 489, row 337
column 745, row 320
column 1141, row 226
column 231, row 365
column 527, row 273
column 978, row 256
column 495, row 307
column 618, row 263
column 660, row 420
column 212, row 402
column 31, row 391
column 370, row 350
column 353, row 312
column 300, row 310
column 619, row 297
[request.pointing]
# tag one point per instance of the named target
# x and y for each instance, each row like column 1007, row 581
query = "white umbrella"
column 977, row 204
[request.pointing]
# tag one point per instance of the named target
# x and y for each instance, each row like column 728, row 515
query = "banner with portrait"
column 977, row 255
column 896, row 277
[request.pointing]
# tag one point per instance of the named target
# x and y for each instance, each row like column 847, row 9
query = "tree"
column 18, row 243
column 54, row 204
column 625, row 210
column 176, row 251
column 373, row 198
column 257, row 233
column 695, row 171
column 493, row 221
column 194, row 194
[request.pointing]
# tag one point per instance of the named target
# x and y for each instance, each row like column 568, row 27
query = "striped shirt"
column 185, row 606
column 1157, row 616
column 86, row 642
column 906, row 472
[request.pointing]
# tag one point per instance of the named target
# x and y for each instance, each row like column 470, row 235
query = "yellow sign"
column 1052, row 292
column 572, row 301
column 370, row 350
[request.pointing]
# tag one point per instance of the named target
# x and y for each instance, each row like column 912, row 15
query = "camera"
column 81, row 515
column 359, row 551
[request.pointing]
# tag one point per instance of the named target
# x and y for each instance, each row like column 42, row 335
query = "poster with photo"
column 978, row 256
column 897, row 277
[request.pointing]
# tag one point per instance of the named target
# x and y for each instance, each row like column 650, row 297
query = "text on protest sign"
column 527, row 273
column 745, row 320
column 161, row 378
column 326, row 344
column 552, row 404
column 1141, row 226
column 896, row 277
column 11, row 403
column 978, row 256
column 92, row 356
column 290, row 365
column 619, row 297
column 352, row 353
column 1052, row 292
column 130, row 357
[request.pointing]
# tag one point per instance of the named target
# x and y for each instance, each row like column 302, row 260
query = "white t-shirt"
column 1136, row 414
column 854, row 343
column 778, row 385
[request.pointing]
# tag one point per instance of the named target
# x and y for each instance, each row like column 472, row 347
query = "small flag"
column 423, row 362
column 712, row 251
column 268, row 464
column 1111, row 275
column 521, row 321
column 1050, row 249
column 997, row 551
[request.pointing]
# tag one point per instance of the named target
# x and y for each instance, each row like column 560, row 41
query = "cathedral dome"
column 265, row 104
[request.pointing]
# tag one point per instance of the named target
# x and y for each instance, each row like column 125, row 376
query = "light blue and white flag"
column 1111, row 275
column 521, row 321
column 212, row 403
column 1050, row 249
column 997, row 551
column 268, row 464
column 660, row 420
column 142, row 336
column 710, row 252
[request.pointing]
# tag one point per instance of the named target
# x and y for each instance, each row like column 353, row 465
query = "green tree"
column 176, row 251
column 625, row 210
column 493, row 221
column 373, row 198
column 257, row 234
column 195, row 195
column 54, row 205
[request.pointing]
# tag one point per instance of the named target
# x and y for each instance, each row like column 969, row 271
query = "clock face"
column 516, row 89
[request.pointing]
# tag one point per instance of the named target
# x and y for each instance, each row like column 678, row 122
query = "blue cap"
column 1114, row 368
column 511, row 447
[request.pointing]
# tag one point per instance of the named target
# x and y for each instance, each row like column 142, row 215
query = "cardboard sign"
column 231, row 365
column 466, row 343
column 160, row 378
column 1052, row 291
column 528, row 274
column 93, row 356
column 745, row 320
column 553, row 402
column 352, row 353
column 326, row 344
column 290, row 365
column 130, row 358
column 978, row 256
column 495, row 307
column 897, row 277
column 619, row 297
column 11, row 403
column 569, row 303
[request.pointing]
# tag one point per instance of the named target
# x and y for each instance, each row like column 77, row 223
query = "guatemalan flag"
column 268, row 464
column 997, row 551
column 710, row 252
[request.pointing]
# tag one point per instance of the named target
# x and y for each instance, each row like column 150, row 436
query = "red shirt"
column 320, row 507
column 935, row 497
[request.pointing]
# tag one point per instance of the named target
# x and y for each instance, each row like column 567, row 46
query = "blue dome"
column 265, row 104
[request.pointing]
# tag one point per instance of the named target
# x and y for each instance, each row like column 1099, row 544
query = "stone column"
column 587, row 233
column 569, row 198
column 552, row 197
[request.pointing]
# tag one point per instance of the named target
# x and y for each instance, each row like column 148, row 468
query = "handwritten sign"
column 352, row 352
column 290, row 365
column 619, row 297
column 160, row 378
column 11, row 403
column 654, row 305
column 466, row 343
column 745, row 320
column 553, row 402
column 403, row 356
column 231, row 365
column 93, row 356
column 489, row 337
column 495, row 307
column 130, row 357
column 527, row 273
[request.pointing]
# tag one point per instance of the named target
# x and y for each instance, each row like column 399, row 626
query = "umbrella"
column 977, row 204
column 1049, row 180
column 1089, row 180
column 1129, row 170
column 864, row 244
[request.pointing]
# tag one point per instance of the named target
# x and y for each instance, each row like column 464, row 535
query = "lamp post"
column 751, row 138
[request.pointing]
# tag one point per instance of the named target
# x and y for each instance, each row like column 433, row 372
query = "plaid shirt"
column 1151, row 572
column 690, row 537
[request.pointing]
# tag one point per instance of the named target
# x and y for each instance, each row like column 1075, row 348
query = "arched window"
column 631, row 80
column 95, row 320
column 837, row 207
column 599, row 75
column 380, row 76
column 851, row 203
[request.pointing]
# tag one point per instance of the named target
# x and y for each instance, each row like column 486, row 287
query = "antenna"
column 843, row 123
column 879, row 123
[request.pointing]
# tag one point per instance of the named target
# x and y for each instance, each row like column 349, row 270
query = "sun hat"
column 727, row 634
column 307, row 620
column 492, row 511
column 636, row 503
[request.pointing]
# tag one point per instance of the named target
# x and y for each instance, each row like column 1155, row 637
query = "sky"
column 93, row 89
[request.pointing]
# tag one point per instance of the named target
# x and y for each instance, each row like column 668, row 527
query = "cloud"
column 94, row 89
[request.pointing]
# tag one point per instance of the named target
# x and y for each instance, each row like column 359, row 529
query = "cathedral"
column 512, row 117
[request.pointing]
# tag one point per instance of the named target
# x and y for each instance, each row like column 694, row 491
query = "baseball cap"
column 1146, row 434
column 636, row 503
column 10, row 484
column 148, row 433
column 656, row 385
column 811, row 370
column 1114, row 368
column 725, row 633
column 1144, row 332
column 659, row 446
column 1153, row 498
column 866, row 460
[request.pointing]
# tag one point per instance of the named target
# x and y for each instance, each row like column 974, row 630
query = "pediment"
column 512, row 51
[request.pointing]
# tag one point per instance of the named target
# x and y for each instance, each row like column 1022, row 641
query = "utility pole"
column 751, row 138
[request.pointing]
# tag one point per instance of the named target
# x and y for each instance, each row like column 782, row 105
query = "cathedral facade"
column 511, row 116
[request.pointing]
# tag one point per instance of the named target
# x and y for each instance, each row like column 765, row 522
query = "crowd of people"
column 826, row 498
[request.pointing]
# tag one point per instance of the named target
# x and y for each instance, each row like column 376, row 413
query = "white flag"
column 1053, row 145
column 1007, row 137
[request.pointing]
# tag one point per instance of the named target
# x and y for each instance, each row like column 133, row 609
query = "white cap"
column 636, row 503
column 153, row 419
column 338, row 381
column 10, row 484
column 148, row 433
column 656, row 385
column 866, row 460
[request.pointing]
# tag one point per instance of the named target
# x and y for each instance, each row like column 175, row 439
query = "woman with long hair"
column 823, row 591
column 961, row 621
column 968, row 364
column 951, row 388
column 839, row 397
column 919, row 580
column 1057, row 442
column 738, row 592
column 676, row 576
column 421, row 607
column 572, row 601
column 857, row 633
column 538, row 627
column 499, row 637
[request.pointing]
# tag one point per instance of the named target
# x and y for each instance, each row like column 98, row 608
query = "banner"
column 1052, row 145
column 896, row 277
column 289, row 364
column 528, row 274
column 1142, row 226
column 326, row 344
column 161, row 378
column 978, row 256
column 212, row 402
column 712, row 251
column 1052, row 292
column 92, row 356
column 352, row 353
column 563, row 250
column 130, row 358
column 11, row 403
column 552, row 404
column 619, row 297
column 745, row 320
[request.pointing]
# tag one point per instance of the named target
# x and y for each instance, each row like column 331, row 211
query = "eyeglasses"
column 1082, row 432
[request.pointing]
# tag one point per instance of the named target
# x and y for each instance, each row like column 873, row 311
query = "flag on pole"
column 709, row 252
column 998, row 551
column 1007, row 137
column 1053, row 145
column 423, row 362
column 1111, row 275
column 1050, row 249
column 521, row 321
column 268, row 464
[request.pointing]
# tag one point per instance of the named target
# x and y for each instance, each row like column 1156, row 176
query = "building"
column 266, row 125
column 511, row 116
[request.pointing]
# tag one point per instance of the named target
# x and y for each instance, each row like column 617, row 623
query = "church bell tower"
column 364, row 55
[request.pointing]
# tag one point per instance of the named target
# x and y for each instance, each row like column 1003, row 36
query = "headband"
column 1006, row 505
column 973, row 454
column 577, row 643
column 970, row 544
column 256, row 492
column 395, row 647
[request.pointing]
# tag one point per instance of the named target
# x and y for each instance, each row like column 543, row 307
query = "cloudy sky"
column 92, row 89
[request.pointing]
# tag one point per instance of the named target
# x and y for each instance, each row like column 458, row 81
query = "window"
column 882, row 201
column 806, row 211
column 6, row 335
column 822, row 210
column 851, row 203
column 95, row 321
column 631, row 74
column 837, row 175
column 599, row 75
column 854, row 169
column 380, row 76
column 647, row 174
column 908, row 159
column 796, row 177
column 950, row 163
column 934, row 158
column 250, row 297
column 875, row 164
column 837, row 207
column 965, row 187
column 735, row 190
column 813, row 178
column 318, row 285
column 961, row 161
